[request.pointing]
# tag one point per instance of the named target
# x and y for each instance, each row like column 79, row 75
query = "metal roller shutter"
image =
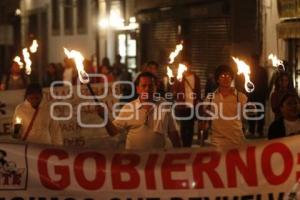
column 209, row 45
column 160, row 39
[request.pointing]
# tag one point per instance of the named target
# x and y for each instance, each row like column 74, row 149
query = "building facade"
column 211, row 31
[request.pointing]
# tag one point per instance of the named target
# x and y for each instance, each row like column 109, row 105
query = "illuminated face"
column 225, row 79
column 146, row 88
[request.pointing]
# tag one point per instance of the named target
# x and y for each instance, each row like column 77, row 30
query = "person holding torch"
column 34, row 124
column 222, row 112
column 145, row 130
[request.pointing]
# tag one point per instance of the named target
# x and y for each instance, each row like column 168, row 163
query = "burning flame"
column 275, row 61
column 181, row 69
column 18, row 120
column 34, row 46
column 244, row 69
column 170, row 75
column 27, row 60
column 78, row 58
column 17, row 59
column 175, row 53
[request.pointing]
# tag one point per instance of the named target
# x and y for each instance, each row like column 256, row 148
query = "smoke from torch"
column 244, row 69
column 276, row 62
column 27, row 60
column 78, row 58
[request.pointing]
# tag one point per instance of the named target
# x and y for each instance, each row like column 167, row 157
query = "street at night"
column 149, row 99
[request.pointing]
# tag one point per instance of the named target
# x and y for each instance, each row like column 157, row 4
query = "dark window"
column 81, row 16
column 68, row 17
column 55, row 17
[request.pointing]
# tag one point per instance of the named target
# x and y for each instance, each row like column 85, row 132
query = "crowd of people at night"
column 216, row 116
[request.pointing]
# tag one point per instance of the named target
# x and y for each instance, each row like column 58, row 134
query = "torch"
column 26, row 56
column 27, row 60
column 17, row 128
column 34, row 46
column 244, row 69
column 17, row 59
column 172, row 57
column 83, row 76
column 276, row 62
column 170, row 75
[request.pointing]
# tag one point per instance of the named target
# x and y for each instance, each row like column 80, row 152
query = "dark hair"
column 280, row 77
column 3, row 152
column 106, row 62
column 33, row 88
column 152, row 63
column 144, row 74
column 223, row 69
column 286, row 96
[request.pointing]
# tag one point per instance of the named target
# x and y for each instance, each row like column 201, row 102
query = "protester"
column 15, row 79
column 226, row 126
column 106, row 70
column 283, row 85
column 259, row 77
column 187, row 92
column 118, row 67
column 153, row 67
column 211, row 84
column 38, row 126
column 289, row 122
column 3, row 161
column 70, row 73
column 52, row 74
column 145, row 130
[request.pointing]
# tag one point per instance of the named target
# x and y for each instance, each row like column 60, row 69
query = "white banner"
column 265, row 170
column 83, row 126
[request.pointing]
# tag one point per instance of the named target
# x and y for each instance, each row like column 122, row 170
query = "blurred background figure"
column 289, row 121
column 69, row 72
column 118, row 67
column 211, row 84
column 106, row 70
column 90, row 69
column 15, row 79
column 259, row 77
column 283, row 85
column 52, row 74
column 187, row 91
column 153, row 68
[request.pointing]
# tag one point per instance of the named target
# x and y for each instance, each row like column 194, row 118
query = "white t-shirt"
column 145, row 130
column 44, row 130
column 292, row 127
column 227, row 126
